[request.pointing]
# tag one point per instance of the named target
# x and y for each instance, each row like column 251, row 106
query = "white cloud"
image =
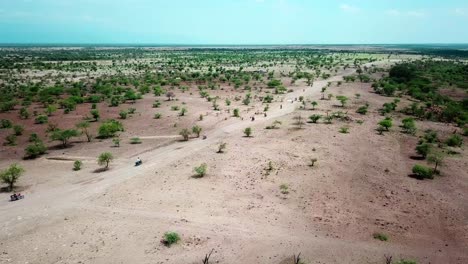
column 415, row 14
column 393, row 12
column 349, row 8
column 412, row 13
column 461, row 11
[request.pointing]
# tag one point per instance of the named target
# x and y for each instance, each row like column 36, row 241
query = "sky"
column 233, row 21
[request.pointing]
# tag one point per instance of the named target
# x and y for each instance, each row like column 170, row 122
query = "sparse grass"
column 344, row 130
column 380, row 236
column 284, row 188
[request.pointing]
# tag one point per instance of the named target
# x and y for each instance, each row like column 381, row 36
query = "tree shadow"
column 413, row 157
column 415, row 176
column 100, row 170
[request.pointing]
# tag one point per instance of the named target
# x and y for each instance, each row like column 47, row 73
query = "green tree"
column 314, row 104
column 386, row 124
column 64, row 135
column 104, row 159
column 409, row 125
column 436, row 158
column 84, row 128
column 423, row 149
column 11, row 175
column 109, row 128
column 196, row 130
column 185, row 133
column 314, row 118
column 35, row 149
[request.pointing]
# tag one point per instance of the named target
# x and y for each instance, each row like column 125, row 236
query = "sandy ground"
column 359, row 186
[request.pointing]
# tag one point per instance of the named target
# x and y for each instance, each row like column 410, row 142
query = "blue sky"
column 233, row 22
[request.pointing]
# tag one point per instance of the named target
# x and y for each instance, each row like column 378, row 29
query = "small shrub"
column 314, row 118
column 41, row 119
column 423, row 149
column 200, row 171
column 248, row 132
column 105, row 158
column 77, row 165
column 343, row 99
column 196, row 130
column 116, row 142
column 362, row 110
column 5, row 123
column 157, row 116
column 431, row 136
column 236, row 112
column 170, row 238
column 312, row 162
column 454, row 141
column 422, row 172
column 344, row 130
column 386, row 124
column 10, row 140
column 18, row 130
column 175, row 108
column 123, row 114
column 284, row 188
column 380, row 236
column 221, row 147
column 183, row 111
column 409, row 126
column 34, row 150
column 135, row 140
column 33, row 137
column 95, row 114
column 131, row 110
column 185, row 133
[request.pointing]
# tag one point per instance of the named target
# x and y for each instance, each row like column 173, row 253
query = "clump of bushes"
column 422, row 172
column 454, row 141
column 109, row 128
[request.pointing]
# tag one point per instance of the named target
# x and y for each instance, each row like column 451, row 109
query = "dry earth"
column 359, row 186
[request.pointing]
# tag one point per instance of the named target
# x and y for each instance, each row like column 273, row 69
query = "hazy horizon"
column 243, row 22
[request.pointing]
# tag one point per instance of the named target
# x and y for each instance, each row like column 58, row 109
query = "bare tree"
column 207, row 257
